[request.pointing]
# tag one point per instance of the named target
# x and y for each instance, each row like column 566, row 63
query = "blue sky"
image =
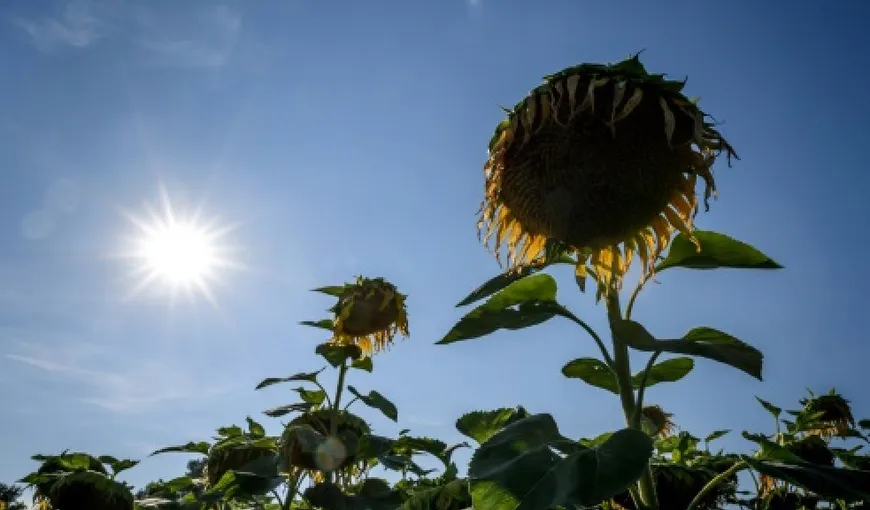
column 348, row 137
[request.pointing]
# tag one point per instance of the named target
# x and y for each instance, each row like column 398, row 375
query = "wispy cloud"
column 205, row 39
column 130, row 388
column 75, row 27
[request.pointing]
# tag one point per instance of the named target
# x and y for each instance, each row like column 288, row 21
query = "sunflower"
column 336, row 448
column 368, row 314
column 603, row 159
column 834, row 414
column 677, row 485
column 657, row 420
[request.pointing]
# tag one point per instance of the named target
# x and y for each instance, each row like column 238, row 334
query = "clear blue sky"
column 347, row 138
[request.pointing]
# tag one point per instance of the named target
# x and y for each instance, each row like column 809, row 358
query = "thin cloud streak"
column 131, row 389
column 76, row 27
column 210, row 45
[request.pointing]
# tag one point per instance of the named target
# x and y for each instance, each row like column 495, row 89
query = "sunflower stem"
column 635, row 418
column 336, row 402
column 738, row 466
column 622, row 368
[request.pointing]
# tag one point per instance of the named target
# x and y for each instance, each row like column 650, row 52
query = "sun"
column 178, row 252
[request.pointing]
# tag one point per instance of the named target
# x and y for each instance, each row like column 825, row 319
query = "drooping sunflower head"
column 602, row 158
column 369, row 313
column 337, row 451
column 677, row 485
column 834, row 415
column 657, row 421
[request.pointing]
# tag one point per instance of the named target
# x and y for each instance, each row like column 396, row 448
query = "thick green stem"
column 622, row 368
column 716, row 481
column 336, row 402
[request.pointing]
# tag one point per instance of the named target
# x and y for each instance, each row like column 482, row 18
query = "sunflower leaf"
column 516, row 469
column 302, row 376
column 671, row 370
column 330, row 290
column 363, row 364
column 716, row 434
column 326, row 324
column 191, row 447
column 377, row 401
column 705, row 342
column 313, row 397
column 481, row 425
column 772, row 409
column 829, row 482
column 717, row 250
column 593, row 372
column 338, row 354
column 287, row 409
column 521, row 304
column 503, row 280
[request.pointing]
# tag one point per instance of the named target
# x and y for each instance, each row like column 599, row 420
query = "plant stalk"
column 336, row 402
column 622, row 368
column 716, row 481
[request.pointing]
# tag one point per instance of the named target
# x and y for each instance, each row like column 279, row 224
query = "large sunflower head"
column 369, row 313
column 602, row 158
column 833, row 411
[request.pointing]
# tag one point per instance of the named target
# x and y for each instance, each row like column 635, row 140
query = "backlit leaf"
column 302, row 376
column 670, row 370
column 481, row 425
column 717, row 250
column 377, row 401
column 829, row 482
column 507, row 278
column 338, row 354
column 516, row 468
column 772, row 409
column 523, row 303
column 705, row 342
column 593, row 372
column 200, row 447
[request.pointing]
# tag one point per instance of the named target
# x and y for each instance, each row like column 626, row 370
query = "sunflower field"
column 604, row 168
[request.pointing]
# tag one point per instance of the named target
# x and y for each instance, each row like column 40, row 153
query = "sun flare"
column 178, row 252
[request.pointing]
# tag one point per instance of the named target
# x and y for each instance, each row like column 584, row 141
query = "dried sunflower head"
column 834, row 414
column 657, row 421
column 368, row 314
column 604, row 159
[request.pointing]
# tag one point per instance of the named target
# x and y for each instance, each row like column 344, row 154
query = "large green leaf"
column 481, row 425
column 302, row 376
column 516, row 468
column 705, row 342
column 828, row 482
column 377, row 401
column 521, row 304
column 505, row 279
column 338, row 354
column 593, row 372
column 670, row 370
column 717, row 250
